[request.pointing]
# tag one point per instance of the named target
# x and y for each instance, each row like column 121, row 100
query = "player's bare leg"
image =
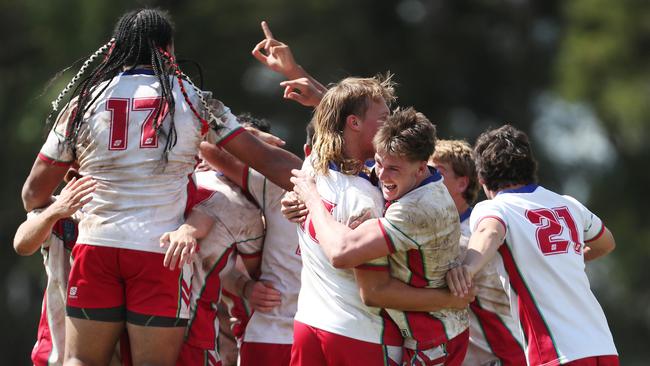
column 155, row 346
column 90, row 342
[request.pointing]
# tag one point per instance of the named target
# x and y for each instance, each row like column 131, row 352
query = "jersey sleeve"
column 265, row 193
column 55, row 151
column 486, row 209
column 593, row 226
column 400, row 227
column 229, row 126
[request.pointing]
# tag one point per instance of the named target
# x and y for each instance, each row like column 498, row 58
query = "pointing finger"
column 266, row 30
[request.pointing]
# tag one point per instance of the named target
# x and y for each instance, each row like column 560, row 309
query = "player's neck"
column 461, row 204
column 352, row 149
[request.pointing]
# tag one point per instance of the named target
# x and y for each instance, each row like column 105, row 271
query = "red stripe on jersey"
column 244, row 180
column 202, row 332
column 51, row 161
column 416, row 266
column 600, row 233
column 239, row 311
column 211, row 360
column 66, row 230
column 426, row 329
column 389, row 241
column 498, row 336
column 505, row 228
column 231, row 136
column 191, row 195
column 541, row 348
column 43, row 349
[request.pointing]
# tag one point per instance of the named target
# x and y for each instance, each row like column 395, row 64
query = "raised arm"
column 277, row 56
column 34, row 231
column 271, row 161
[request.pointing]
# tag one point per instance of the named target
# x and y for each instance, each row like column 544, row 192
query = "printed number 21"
column 549, row 227
column 120, row 109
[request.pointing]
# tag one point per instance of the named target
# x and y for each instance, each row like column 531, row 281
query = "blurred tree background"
column 575, row 75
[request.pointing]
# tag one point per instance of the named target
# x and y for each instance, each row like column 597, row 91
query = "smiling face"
column 397, row 175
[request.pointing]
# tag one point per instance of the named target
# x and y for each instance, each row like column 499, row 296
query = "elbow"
column 32, row 198
column 369, row 297
column 23, row 249
column 340, row 259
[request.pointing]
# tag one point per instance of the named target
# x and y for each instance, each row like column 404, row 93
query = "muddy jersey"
column 542, row 267
column 329, row 297
column 281, row 264
column 56, row 259
column 138, row 196
column 237, row 228
column 492, row 328
column 422, row 232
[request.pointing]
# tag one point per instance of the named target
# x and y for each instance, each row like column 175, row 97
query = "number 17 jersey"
column 138, row 196
column 543, row 271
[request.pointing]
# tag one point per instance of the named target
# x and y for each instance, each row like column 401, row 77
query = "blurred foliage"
column 466, row 64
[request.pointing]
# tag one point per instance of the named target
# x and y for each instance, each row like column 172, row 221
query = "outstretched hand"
column 274, row 54
column 181, row 246
column 73, row 196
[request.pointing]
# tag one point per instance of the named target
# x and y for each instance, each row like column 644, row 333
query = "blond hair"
column 349, row 96
column 458, row 154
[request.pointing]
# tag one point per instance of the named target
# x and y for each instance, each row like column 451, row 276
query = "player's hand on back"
column 73, row 196
column 181, row 246
column 261, row 295
column 459, row 280
column 274, row 54
column 304, row 91
column 293, row 209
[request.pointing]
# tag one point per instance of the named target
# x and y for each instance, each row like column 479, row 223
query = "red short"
column 316, row 347
column 269, row 354
column 609, row 360
column 450, row 354
column 194, row 356
column 43, row 347
column 114, row 284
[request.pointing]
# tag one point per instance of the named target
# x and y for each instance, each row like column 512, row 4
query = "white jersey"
column 492, row 329
column 281, row 264
column 543, row 270
column 422, row 233
column 237, row 229
column 329, row 298
column 138, row 196
column 56, row 258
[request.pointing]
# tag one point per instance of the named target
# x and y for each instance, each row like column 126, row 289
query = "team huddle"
column 180, row 222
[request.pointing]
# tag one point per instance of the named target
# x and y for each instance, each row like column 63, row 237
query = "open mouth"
column 390, row 187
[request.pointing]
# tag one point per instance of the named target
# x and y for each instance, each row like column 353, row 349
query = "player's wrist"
column 247, row 288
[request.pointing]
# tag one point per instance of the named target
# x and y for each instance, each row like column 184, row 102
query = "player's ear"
column 462, row 182
column 352, row 122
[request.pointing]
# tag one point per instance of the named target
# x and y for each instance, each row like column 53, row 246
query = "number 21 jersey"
column 543, row 270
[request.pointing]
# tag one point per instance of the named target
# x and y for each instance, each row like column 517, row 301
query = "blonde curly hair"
column 349, row 96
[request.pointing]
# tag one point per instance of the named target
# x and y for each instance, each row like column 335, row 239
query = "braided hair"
column 140, row 37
